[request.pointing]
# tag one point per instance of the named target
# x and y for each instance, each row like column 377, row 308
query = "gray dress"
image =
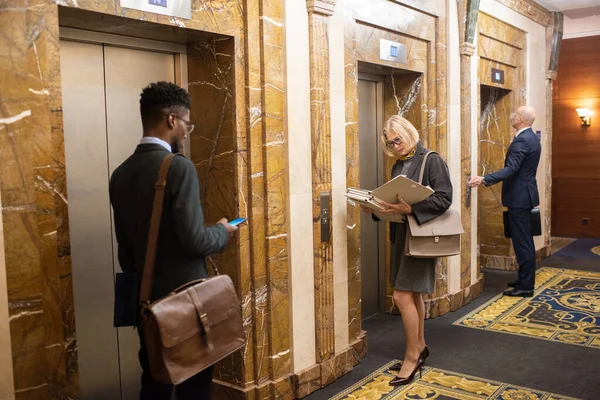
column 418, row 274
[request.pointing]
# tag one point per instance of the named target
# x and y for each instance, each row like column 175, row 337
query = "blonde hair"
column 404, row 129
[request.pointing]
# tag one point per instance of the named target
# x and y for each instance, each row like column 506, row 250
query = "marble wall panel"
column 493, row 49
column 352, row 175
column 395, row 17
column 501, row 31
column 224, row 17
column 511, row 78
column 33, row 198
column 494, row 139
column 501, row 46
column 368, row 43
column 215, row 152
column 274, row 164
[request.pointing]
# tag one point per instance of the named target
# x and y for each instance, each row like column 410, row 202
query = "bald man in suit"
column 520, row 194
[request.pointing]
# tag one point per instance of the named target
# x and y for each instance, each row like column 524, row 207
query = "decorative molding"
column 530, row 9
column 581, row 34
column 320, row 127
column 504, row 263
column 557, row 35
column 467, row 49
column 323, row 7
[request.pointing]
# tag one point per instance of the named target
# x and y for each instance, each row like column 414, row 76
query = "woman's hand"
column 401, row 208
column 366, row 210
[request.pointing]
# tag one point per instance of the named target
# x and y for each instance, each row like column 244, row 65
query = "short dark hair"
column 161, row 98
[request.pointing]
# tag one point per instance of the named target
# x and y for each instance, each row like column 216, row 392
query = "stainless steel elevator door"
column 101, row 87
column 369, row 125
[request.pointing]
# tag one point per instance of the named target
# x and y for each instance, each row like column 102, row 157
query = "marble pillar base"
column 305, row 382
column 279, row 389
column 446, row 303
column 317, row 376
column 510, row 263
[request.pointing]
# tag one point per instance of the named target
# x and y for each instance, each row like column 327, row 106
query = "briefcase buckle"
column 436, row 239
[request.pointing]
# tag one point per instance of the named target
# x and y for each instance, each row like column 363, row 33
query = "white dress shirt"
column 521, row 130
column 155, row 140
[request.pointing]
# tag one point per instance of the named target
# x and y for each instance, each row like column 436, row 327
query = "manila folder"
column 410, row 191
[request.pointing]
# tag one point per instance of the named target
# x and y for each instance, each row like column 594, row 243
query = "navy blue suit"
column 520, row 194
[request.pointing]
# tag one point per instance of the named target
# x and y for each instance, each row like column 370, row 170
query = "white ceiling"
column 565, row 5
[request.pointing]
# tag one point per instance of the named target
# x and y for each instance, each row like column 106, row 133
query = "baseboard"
column 509, row 263
column 449, row 302
column 305, row 382
column 320, row 375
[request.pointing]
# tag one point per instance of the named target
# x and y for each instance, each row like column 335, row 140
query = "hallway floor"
column 544, row 366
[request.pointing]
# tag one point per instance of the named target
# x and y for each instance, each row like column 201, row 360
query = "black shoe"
column 513, row 284
column 424, row 354
column 400, row 381
column 518, row 293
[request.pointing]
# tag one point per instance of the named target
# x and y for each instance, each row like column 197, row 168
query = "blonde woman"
column 411, row 277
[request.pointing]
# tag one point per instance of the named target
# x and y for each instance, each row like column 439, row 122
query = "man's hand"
column 475, row 181
column 401, row 208
column 230, row 228
column 366, row 210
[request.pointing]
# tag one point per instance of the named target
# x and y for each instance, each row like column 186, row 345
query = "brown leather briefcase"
column 439, row 237
column 194, row 326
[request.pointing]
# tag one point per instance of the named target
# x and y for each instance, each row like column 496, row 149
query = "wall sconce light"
column 585, row 115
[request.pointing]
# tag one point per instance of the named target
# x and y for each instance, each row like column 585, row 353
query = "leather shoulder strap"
column 159, row 197
column 423, row 165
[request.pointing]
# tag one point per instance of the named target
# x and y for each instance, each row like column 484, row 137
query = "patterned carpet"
column 439, row 384
column 565, row 308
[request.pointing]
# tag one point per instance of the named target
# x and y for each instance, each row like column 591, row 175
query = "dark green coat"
column 183, row 241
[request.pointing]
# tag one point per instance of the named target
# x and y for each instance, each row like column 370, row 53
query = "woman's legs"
column 421, row 310
column 405, row 301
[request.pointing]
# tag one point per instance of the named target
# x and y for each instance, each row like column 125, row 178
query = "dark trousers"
column 198, row 387
column 519, row 221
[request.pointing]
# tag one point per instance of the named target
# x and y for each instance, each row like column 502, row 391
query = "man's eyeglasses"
column 189, row 127
column 394, row 142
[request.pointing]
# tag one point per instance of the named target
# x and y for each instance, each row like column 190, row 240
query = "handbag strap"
column 423, row 165
column 159, row 197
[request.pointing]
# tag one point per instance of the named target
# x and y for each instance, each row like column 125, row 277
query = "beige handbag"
column 195, row 325
column 439, row 237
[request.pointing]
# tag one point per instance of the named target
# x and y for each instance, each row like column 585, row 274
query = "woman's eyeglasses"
column 189, row 127
column 394, row 142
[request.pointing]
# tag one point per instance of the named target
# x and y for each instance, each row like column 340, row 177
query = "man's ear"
column 171, row 121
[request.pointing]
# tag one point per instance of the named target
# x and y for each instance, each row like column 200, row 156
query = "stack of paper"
column 409, row 190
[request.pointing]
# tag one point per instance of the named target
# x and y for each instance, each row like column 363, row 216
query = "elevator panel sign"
column 172, row 8
column 497, row 76
column 162, row 3
column 392, row 51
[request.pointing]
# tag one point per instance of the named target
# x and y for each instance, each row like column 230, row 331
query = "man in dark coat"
column 184, row 241
column 520, row 195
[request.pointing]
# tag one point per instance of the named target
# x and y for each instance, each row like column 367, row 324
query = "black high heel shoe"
column 423, row 356
column 400, row 381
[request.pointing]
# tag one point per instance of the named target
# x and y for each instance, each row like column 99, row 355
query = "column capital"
column 323, row 7
column 467, row 49
column 551, row 75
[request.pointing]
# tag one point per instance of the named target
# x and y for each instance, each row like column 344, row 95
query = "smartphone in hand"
column 236, row 221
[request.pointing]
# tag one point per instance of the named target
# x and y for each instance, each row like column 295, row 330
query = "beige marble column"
column 320, row 121
column 466, row 52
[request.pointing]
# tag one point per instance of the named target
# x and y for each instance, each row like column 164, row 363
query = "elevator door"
column 370, row 113
column 101, row 85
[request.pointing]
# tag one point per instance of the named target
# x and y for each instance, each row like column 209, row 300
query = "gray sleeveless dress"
column 408, row 273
